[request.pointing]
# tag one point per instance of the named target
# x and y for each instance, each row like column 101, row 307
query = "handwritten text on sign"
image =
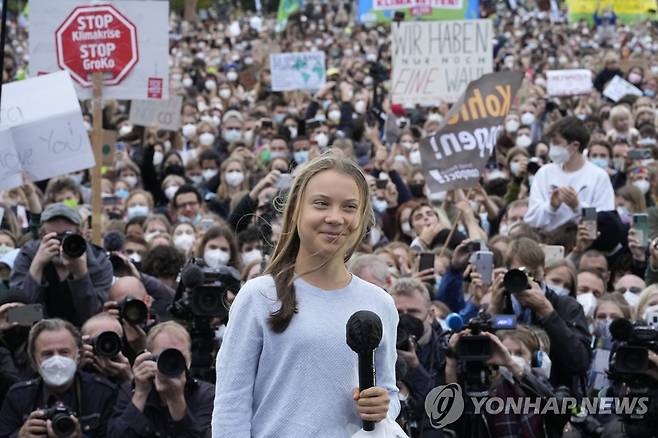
column 568, row 82
column 41, row 130
column 399, row 4
column 297, row 71
column 165, row 114
column 435, row 61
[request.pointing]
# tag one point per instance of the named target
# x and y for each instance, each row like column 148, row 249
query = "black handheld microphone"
column 364, row 333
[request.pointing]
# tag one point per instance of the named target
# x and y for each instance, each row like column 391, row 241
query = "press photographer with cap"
column 163, row 400
column 62, row 271
column 64, row 400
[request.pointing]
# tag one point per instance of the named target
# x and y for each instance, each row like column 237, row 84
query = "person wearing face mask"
column 560, row 316
column 14, row 361
column 54, row 349
column 251, row 245
column 138, row 204
column 219, row 248
column 562, row 188
column 187, row 204
column 67, row 286
column 233, row 180
column 210, row 162
column 158, row 404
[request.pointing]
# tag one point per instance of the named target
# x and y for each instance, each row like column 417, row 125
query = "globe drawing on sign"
column 444, row 405
column 306, row 71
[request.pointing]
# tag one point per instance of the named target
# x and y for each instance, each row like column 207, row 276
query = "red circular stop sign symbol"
column 97, row 39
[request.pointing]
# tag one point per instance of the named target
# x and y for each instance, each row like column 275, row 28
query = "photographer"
column 64, row 400
column 560, row 316
column 62, row 271
column 163, row 400
column 420, row 351
column 101, row 351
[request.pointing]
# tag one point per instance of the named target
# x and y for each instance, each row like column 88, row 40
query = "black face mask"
column 174, row 169
column 14, row 337
column 417, row 190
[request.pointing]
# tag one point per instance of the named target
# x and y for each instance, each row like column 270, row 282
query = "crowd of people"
column 122, row 347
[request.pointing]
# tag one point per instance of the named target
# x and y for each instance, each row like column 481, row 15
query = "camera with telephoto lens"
column 73, row 244
column 517, row 280
column 106, row 344
column 171, row 362
column 477, row 347
column 60, row 417
column 630, row 357
column 133, row 310
column 410, row 329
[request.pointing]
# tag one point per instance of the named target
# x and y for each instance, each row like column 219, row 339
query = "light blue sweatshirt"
column 298, row 383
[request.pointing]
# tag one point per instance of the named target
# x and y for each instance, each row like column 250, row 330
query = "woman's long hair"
column 282, row 264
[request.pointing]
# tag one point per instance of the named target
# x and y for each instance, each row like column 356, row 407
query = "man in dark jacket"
column 156, row 404
column 72, row 288
column 560, row 316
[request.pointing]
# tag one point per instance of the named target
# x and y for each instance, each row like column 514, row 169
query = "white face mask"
column 322, row 140
column 210, row 85
column 125, row 130
column 207, row 139
column 631, row 298
column 406, row 229
column 643, row 185
column 137, row 211
column 234, row 179
column 375, row 235
column 523, row 141
column 588, row 301
column 545, row 365
column 360, row 106
column 563, row 291
column 515, row 168
column 215, row 258
column 232, row 76
column 209, row 174
column 650, row 315
column 231, row 135
column 380, row 205
column 527, row 119
column 57, row 370
column 224, row 93
column 158, row 157
column 334, row 115
column 511, row 126
column 558, row 154
column 252, row 256
column 130, row 180
column 189, row 131
column 187, row 82
column 152, row 235
column 184, row 242
column 170, row 192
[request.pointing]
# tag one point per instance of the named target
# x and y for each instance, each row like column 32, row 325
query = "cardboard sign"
column 619, row 87
column 41, row 130
column 165, row 114
column 455, row 156
column 128, row 41
column 435, row 61
column 568, row 82
column 298, row 71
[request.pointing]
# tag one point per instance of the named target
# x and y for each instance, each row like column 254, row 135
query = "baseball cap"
column 60, row 210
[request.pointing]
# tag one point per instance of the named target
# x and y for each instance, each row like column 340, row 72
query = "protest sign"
column 435, row 61
column 109, row 147
column 568, row 82
column 297, row 71
column 165, row 114
column 41, row 130
column 455, row 156
column 619, row 87
column 432, row 10
column 626, row 11
column 127, row 41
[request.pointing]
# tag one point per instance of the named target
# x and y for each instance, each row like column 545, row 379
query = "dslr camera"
column 106, row 344
column 477, row 347
column 171, row 362
column 517, row 280
column 73, row 244
column 133, row 311
column 410, row 329
column 60, row 416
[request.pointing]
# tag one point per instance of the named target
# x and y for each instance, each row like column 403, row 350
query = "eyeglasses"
column 635, row 290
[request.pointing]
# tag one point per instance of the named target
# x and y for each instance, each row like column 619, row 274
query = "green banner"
column 286, row 9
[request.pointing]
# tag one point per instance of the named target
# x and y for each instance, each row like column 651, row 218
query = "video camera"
column 631, row 356
column 202, row 291
column 73, row 244
column 477, row 347
column 60, row 416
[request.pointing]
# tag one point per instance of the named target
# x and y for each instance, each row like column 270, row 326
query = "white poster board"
column 297, row 71
column 619, row 87
column 572, row 82
column 147, row 78
column 434, row 61
column 41, row 130
column 165, row 114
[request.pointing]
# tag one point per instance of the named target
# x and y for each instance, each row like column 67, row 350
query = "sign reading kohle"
column 434, row 61
column 126, row 41
column 455, row 156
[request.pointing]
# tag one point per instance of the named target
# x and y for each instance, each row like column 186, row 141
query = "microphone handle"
column 367, row 379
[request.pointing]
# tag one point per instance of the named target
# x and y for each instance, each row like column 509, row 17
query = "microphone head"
column 113, row 241
column 192, row 276
column 621, row 329
column 364, row 331
column 455, row 322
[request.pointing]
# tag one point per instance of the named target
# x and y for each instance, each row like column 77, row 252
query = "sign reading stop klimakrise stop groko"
column 97, row 39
